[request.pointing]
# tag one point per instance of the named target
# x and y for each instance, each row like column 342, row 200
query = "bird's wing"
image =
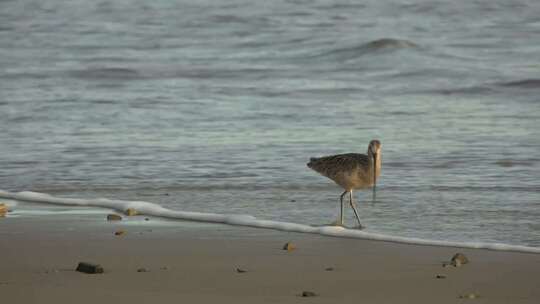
column 333, row 165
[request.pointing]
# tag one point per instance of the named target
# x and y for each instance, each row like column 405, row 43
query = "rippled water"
column 217, row 106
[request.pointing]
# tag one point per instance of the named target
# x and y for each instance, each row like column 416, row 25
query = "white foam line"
column 146, row 208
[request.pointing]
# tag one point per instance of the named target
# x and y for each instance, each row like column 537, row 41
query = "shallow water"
column 220, row 105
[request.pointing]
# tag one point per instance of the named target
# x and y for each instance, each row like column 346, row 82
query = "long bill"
column 374, row 175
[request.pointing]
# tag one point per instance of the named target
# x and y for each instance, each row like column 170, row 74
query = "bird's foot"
column 337, row 223
column 359, row 227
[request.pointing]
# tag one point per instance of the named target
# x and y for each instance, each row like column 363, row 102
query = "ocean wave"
column 341, row 6
column 375, row 46
column 107, row 73
column 229, row 18
column 151, row 209
column 514, row 163
column 118, row 73
column 473, row 90
column 532, row 83
column 483, row 89
column 26, row 75
column 390, row 43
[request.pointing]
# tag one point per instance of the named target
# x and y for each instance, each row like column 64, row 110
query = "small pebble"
column 306, row 294
column 114, row 217
column 289, row 246
column 142, row 270
column 441, row 276
column 459, row 259
column 146, row 219
column 240, row 270
column 120, row 232
column 130, row 212
column 89, row 268
column 469, row 296
column 329, row 269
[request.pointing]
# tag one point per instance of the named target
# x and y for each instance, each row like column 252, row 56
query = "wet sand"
column 38, row 256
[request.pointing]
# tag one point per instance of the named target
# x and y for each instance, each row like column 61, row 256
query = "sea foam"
column 147, row 208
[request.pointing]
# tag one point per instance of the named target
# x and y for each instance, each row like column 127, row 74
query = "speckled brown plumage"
column 351, row 170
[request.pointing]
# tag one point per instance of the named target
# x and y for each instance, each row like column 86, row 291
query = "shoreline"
column 152, row 209
column 200, row 264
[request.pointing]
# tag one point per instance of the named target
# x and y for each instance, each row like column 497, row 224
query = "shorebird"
column 351, row 171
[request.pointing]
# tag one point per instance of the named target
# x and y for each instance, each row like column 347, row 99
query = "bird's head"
column 374, row 147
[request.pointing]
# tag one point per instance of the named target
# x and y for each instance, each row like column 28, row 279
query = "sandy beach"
column 184, row 263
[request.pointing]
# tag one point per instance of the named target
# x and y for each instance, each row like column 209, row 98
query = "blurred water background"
column 216, row 106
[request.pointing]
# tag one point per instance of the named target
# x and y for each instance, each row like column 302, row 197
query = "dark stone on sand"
column 306, row 294
column 240, row 270
column 142, row 270
column 146, row 219
column 459, row 259
column 289, row 246
column 441, row 276
column 89, row 268
column 329, row 269
column 120, row 232
column 114, row 217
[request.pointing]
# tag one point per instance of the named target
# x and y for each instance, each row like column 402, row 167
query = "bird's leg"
column 341, row 215
column 354, row 209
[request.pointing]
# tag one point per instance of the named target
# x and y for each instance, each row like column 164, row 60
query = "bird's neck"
column 373, row 164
